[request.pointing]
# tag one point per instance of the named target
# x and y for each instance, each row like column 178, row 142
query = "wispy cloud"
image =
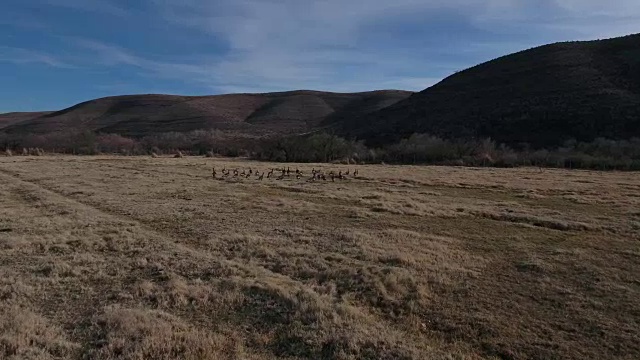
column 102, row 54
column 97, row 6
column 240, row 75
column 560, row 20
column 310, row 44
column 592, row 19
column 27, row 56
column 338, row 45
column 298, row 43
column 20, row 20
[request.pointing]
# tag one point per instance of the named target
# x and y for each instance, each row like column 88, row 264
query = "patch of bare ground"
column 130, row 258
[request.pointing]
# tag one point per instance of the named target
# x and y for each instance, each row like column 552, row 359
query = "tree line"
column 600, row 154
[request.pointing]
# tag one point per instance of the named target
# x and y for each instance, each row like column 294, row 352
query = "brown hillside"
column 16, row 117
column 138, row 115
column 543, row 96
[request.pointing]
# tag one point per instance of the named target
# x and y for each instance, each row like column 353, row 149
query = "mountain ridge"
column 539, row 97
column 138, row 115
column 542, row 96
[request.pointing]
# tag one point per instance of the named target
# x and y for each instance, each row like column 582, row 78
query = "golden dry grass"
column 136, row 258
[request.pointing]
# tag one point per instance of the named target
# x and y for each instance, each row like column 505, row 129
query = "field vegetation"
column 599, row 154
column 109, row 257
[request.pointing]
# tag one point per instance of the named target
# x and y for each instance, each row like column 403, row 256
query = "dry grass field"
column 150, row 258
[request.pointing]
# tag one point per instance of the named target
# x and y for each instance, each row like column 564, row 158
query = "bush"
column 600, row 154
column 8, row 152
column 116, row 144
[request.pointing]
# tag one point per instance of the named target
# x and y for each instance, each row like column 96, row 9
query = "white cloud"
column 563, row 20
column 231, row 76
column 27, row 56
column 326, row 45
column 589, row 19
column 307, row 44
column 597, row 7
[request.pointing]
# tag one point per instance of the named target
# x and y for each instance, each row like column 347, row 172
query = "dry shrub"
column 537, row 221
column 150, row 334
column 32, row 152
column 8, row 152
column 308, row 324
column 154, row 155
column 209, row 154
column 13, row 289
column 179, row 155
column 25, row 335
column 58, row 269
column 176, row 292
column 532, row 265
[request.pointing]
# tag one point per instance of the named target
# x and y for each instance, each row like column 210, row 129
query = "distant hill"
column 16, row 117
column 139, row 115
column 543, row 96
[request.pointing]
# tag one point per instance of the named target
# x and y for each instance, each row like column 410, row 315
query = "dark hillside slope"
column 543, row 96
column 11, row 118
column 139, row 115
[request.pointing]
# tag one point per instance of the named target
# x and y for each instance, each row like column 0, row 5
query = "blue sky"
column 55, row 53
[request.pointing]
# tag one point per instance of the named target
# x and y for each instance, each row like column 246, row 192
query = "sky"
column 56, row 53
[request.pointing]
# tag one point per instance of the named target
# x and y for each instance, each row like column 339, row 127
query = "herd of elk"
column 316, row 175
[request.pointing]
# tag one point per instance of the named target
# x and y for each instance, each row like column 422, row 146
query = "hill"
column 542, row 96
column 16, row 117
column 139, row 115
